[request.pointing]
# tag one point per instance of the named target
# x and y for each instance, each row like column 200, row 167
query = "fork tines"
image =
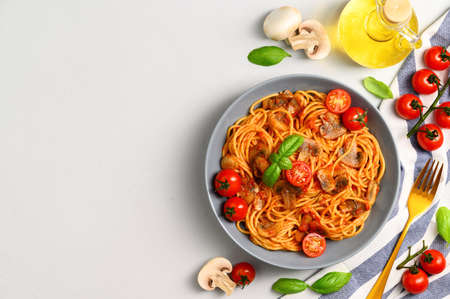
column 427, row 183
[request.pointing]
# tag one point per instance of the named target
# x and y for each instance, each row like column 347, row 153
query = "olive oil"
column 371, row 40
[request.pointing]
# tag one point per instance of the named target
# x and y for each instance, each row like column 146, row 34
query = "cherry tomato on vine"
column 243, row 274
column 442, row 115
column 425, row 81
column 432, row 261
column 314, row 245
column 355, row 118
column 415, row 280
column 437, row 58
column 430, row 137
column 235, row 209
column 227, row 182
column 299, row 175
column 338, row 101
column 408, row 106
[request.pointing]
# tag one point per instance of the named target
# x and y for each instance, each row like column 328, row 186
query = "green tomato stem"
column 426, row 114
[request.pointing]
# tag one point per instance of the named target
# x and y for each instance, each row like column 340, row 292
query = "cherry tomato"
column 408, row 106
column 437, row 58
column 299, row 175
column 415, row 280
column 227, row 182
column 442, row 115
column 430, row 137
column 338, row 101
column 425, row 81
column 313, row 245
column 243, row 274
column 432, row 261
column 354, row 118
column 235, row 209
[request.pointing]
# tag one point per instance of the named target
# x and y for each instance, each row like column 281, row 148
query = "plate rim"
column 207, row 180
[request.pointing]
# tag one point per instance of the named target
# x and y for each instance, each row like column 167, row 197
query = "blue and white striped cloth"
column 368, row 264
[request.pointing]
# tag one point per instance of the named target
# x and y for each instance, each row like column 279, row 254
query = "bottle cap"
column 397, row 11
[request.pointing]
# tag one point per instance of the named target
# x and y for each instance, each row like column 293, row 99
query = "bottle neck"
column 380, row 26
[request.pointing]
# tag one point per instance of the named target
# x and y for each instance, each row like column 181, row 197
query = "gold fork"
column 420, row 198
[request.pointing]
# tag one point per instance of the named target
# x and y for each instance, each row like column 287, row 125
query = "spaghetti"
column 346, row 171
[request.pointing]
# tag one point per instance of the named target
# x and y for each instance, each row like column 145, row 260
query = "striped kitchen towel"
column 368, row 264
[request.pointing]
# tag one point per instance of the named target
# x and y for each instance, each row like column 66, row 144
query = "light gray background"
column 105, row 111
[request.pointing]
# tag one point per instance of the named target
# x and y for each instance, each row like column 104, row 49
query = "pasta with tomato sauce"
column 336, row 196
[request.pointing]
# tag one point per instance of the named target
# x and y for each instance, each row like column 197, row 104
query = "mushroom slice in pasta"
column 332, row 127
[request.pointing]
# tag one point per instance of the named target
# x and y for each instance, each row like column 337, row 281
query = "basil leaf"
column 289, row 286
column 271, row 174
column 378, row 88
column 285, row 163
column 331, row 282
column 290, row 145
column 274, row 158
column 443, row 223
column 267, row 56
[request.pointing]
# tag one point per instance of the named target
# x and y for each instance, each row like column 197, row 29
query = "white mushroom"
column 313, row 38
column 282, row 22
column 214, row 274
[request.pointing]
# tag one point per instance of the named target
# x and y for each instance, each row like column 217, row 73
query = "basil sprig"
column 281, row 160
column 443, row 223
column 267, row 56
column 329, row 283
column 377, row 88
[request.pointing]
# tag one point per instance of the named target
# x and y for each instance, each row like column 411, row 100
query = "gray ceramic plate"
column 336, row 250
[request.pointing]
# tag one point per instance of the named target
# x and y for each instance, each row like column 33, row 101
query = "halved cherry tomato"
column 227, row 182
column 314, row 245
column 415, row 280
column 442, row 115
column 299, row 175
column 235, row 209
column 243, row 274
column 354, row 118
column 432, row 261
column 338, row 101
column 408, row 106
column 430, row 137
column 437, row 58
column 425, row 81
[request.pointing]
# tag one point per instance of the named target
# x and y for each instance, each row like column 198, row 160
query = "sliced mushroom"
column 260, row 164
column 288, row 193
column 313, row 38
column 229, row 161
column 353, row 158
column 309, row 148
column 304, row 40
column 327, row 182
column 332, row 127
column 214, row 274
column 356, row 207
column 341, row 182
column 281, row 99
column 332, row 183
column 259, row 149
column 277, row 123
column 372, row 192
column 281, row 22
column 268, row 229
